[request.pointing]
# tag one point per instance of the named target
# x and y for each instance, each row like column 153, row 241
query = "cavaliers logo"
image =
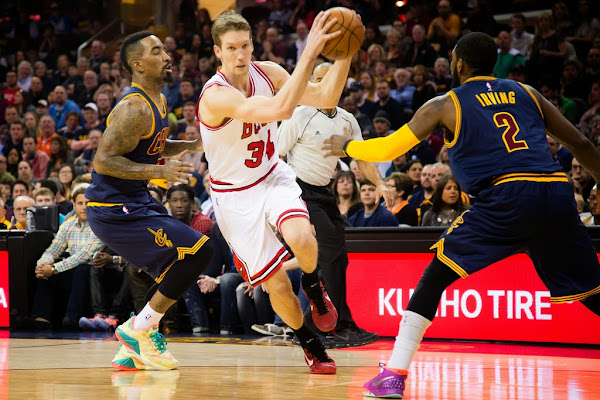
column 158, row 144
column 160, row 238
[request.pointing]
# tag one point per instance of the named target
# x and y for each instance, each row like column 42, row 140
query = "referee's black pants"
column 333, row 255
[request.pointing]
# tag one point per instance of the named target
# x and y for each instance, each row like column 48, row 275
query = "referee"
column 300, row 139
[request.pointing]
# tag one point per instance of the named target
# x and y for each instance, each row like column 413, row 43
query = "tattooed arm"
column 132, row 119
column 173, row 147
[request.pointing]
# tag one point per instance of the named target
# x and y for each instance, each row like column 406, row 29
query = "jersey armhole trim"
column 149, row 134
column 458, row 125
column 537, row 103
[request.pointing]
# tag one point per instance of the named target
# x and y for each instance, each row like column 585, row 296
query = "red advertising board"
column 506, row 301
column 4, row 310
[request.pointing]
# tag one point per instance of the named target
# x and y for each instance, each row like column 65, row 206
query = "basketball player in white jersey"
column 301, row 139
column 252, row 191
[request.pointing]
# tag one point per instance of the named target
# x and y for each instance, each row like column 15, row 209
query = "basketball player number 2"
column 506, row 120
column 258, row 149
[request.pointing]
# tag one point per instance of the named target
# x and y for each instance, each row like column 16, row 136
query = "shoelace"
column 316, row 295
column 159, row 342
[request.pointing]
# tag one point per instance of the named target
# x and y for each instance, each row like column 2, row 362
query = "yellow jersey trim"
column 480, row 78
column 181, row 253
column 98, row 204
column 537, row 103
column 439, row 247
column 458, row 120
column 146, row 136
column 163, row 112
column 531, row 177
column 575, row 297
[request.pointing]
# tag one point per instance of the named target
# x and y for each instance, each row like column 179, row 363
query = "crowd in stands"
column 54, row 109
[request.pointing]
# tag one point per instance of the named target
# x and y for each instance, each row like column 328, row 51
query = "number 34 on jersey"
column 258, row 149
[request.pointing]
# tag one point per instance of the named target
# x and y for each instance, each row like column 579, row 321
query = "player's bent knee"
column 184, row 273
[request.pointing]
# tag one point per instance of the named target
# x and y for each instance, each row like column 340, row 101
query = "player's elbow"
column 100, row 164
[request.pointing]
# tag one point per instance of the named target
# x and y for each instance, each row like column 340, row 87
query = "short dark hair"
column 181, row 188
column 479, row 51
column 520, row 16
column 130, row 46
column 20, row 182
column 73, row 114
column 49, row 184
column 365, row 181
column 30, row 137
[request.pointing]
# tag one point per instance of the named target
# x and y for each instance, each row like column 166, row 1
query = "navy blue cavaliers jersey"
column 499, row 131
column 108, row 189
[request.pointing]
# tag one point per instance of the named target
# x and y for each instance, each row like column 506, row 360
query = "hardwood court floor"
column 250, row 368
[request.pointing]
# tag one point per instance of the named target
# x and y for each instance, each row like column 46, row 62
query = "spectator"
column 592, row 201
column 186, row 95
column 413, row 169
column 104, row 76
column 420, row 51
column 346, row 194
column 109, row 291
column 41, row 107
column 445, row 28
column 560, row 153
column 358, row 175
column 426, row 190
column 13, row 158
column 274, row 49
column 357, row 65
column 395, row 53
column 71, row 275
column 424, row 90
column 59, row 154
column 104, row 104
column 48, row 131
column 364, row 121
column 65, row 207
column 442, row 79
column 74, row 83
column 401, row 186
column 192, row 132
column 373, row 36
column 66, row 175
column 303, row 12
column 22, row 102
column 593, row 103
column 4, row 223
column 386, row 103
column 189, row 119
column 581, row 179
column 368, row 83
column 280, row 16
column 404, row 91
column 24, row 73
column 61, row 73
column 357, row 92
column 25, row 172
column 97, row 55
column 15, row 140
column 85, row 95
column 562, row 21
column 374, row 214
column 592, row 71
column 90, row 117
column 548, row 50
column 181, row 202
column 4, row 174
column 508, row 57
column 10, row 88
column 446, row 203
column 572, row 83
column 36, row 158
column 37, row 91
column 72, row 129
column 83, row 163
column 375, row 53
column 20, row 206
column 10, row 115
column 522, row 40
column 397, row 165
column 297, row 47
column 189, row 71
column 31, row 121
column 61, row 107
column 569, row 109
column 59, row 21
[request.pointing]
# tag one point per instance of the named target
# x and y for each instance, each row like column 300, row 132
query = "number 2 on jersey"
column 504, row 119
column 258, row 149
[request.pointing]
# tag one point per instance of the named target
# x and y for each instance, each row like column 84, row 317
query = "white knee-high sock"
column 411, row 331
column 146, row 318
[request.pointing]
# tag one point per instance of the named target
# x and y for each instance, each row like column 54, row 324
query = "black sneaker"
column 354, row 337
column 327, row 340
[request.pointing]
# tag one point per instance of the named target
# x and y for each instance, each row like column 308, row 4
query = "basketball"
column 353, row 33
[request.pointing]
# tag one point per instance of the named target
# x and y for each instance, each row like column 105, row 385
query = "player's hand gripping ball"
column 351, row 38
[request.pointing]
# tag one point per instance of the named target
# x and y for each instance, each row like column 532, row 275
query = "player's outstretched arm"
column 437, row 111
column 326, row 94
column 566, row 134
column 131, row 120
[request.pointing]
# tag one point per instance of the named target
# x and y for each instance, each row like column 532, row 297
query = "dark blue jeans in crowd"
column 197, row 304
column 230, row 319
column 74, row 283
column 109, row 292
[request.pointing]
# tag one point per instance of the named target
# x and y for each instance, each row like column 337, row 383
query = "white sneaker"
column 269, row 329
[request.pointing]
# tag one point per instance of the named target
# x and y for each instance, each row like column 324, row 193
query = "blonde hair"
column 229, row 21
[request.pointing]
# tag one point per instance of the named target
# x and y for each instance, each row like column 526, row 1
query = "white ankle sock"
column 411, row 331
column 146, row 318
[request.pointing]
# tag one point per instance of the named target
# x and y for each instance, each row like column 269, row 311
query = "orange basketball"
column 353, row 33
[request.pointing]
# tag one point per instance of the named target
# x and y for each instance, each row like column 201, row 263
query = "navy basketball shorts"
column 144, row 235
column 536, row 218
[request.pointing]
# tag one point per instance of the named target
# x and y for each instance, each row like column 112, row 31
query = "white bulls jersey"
column 240, row 154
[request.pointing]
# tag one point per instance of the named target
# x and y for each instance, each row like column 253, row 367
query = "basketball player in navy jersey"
column 499, row 152
column 124, row 215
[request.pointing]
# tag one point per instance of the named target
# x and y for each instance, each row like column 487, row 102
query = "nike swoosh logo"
column 310, row 362
column 379, row 382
